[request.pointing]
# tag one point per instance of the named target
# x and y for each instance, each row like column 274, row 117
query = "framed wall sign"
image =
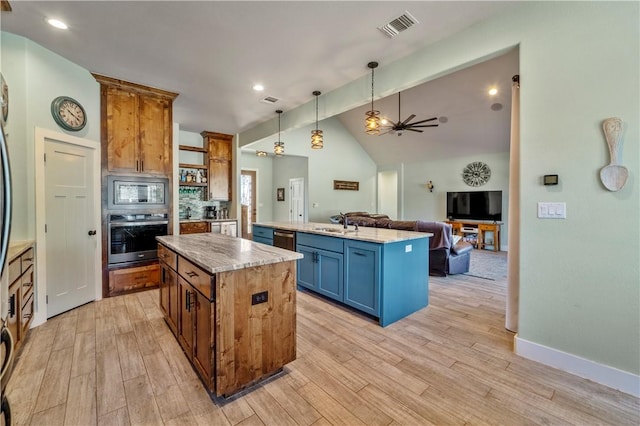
column 280, row 194
column 345, row 184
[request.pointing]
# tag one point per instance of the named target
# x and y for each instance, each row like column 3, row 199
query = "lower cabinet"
column 362, row 276
column 193, row 227
column 225, row 228
column 20, row 302
column 262, row 234
column 344, row 270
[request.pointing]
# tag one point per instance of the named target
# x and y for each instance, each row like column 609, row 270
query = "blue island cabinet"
column 262, row 234
column 321, row 269
column 386, row 280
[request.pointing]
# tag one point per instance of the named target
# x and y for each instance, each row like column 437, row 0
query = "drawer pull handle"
column 27, row 284
column 191, row 274
column 12, row 305
column 357, row 253
column 187, row 298
column 28, row 259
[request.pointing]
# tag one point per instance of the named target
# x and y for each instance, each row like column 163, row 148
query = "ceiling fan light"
column 372, row 122
column 316, row 139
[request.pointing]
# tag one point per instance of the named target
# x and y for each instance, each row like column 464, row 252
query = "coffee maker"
column 210, row 212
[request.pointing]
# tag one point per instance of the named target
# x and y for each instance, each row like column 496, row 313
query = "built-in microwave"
column 134, row 192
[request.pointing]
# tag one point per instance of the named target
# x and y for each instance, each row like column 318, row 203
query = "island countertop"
column 374, row 235
column 219, row 253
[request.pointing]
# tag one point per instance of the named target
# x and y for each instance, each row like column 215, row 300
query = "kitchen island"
column 231, row 303
column 381, row 272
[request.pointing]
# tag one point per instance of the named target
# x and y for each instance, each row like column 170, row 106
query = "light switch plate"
column 552, row 210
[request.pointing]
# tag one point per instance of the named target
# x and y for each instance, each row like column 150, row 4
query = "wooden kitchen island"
column 231, row 303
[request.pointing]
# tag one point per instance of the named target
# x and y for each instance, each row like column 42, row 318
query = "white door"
column 70, row 226
column 296, row 200
column 388, row 193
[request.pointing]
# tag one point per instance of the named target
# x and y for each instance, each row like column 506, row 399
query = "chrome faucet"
column 344, row 220
column 188, row 212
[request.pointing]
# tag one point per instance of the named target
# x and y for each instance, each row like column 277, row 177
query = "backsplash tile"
column 193, row 197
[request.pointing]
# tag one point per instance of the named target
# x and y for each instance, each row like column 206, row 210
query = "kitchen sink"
column 335, row 231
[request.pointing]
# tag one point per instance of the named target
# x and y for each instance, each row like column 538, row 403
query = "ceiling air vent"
column 398, row 25
column 270, row 100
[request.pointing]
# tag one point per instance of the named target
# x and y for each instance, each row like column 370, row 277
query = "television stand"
column 466, row 227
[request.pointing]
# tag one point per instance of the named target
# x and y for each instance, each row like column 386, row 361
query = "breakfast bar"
column 231, row 303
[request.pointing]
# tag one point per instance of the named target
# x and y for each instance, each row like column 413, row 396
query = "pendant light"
column 261, row 153
column 278, row 147
column 316, row 135
column 372, row 122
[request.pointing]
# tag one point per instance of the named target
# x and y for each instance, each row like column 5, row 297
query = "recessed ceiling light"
column 57, row 23
column 493, row 91
column 258, row 87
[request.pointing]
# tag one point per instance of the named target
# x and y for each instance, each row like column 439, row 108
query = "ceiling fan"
column 401, row 126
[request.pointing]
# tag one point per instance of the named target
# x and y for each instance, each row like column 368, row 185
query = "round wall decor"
column 4, row 99
column 476, row 173
column 68, row 113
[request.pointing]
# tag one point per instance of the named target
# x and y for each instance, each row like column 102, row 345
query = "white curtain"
column 513, row 265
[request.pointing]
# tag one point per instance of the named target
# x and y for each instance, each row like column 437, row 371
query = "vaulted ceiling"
column 213, row 52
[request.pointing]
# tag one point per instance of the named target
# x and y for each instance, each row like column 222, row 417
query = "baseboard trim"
column 609, row 376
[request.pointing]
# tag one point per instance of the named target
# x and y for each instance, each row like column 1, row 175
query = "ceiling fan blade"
column 388, row 131
column 425, row 121
column 411, row 117
column 414, row 130
column 423, row 125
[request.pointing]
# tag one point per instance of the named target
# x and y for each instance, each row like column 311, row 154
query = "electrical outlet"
column 408, row 248
column 258, row 298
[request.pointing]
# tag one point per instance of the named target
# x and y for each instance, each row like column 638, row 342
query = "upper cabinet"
column 136, row 127
column 220, row 152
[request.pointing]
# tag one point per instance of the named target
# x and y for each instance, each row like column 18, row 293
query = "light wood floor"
column 116, row 362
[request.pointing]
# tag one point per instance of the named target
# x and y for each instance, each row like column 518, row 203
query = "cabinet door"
column 306, row 267
column 329, row 274
column 193, row 227
column 220, row 149
column 154, row 141
column 127, row 279
column 219, row 180
column 122, row 130
column 204, row 338
column 185, row 321
column 362, row 276
column 174, row 304
column 230, row 229
column 13, row 316
column 164, row 288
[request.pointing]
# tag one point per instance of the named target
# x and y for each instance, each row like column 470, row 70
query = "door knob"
column 92, row 232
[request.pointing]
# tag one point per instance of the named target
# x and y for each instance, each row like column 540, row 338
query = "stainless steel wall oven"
column 132, row 237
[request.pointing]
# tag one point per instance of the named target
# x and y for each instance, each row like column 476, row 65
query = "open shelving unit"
column 205, row 166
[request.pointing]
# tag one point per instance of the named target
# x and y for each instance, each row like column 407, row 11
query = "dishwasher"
column 284, row 239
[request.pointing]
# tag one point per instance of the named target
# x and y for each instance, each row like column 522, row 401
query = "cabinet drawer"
column 259, row 231
column 194, row 227
column 134, row 278
column 320, row 241
column 15, row 270
column 26, row 315
column 27, row 259
column 198, row 278
column 27, row 283
column 167, row 256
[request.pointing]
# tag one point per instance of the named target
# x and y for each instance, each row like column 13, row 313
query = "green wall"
column 579, row 64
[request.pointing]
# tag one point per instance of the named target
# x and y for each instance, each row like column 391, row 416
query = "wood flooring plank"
column 198, row 399
column 119, row 417
column 141, row 403
column 398, row 411
column 173, row 406
column 84, row 353
column 268, row 409
column 328, row 407
column 81, row 402
column 22, row 392
column 237, row 409
column 53, row 416
column 131, row 363
column 110, row 387
column 86, row 318
column 296, row 406
column 146, row 338
column 159, row 372
column 66, row 334
column 55, row 382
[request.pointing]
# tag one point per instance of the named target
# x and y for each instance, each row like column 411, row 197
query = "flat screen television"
column 475, row 205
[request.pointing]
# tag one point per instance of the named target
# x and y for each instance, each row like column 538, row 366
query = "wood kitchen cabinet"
column 131, row 279
column 194, row 227
column 220, row 164
column 21, row 295
column 169, row 286
column 137, row 127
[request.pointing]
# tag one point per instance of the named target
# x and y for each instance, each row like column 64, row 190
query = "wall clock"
column 4, row 100
column 68, row 113
column 476, row 173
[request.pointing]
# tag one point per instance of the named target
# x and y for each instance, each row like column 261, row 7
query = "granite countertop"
column 374, row 235
column 220, row 253
column 17, row 247
column 190, row 220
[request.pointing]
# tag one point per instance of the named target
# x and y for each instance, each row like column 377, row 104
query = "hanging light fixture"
column 261, row 153
column 278, row 147
column 372, row 122
column 316, row 135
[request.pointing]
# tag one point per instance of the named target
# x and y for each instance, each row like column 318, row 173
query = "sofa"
column 446, row 256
